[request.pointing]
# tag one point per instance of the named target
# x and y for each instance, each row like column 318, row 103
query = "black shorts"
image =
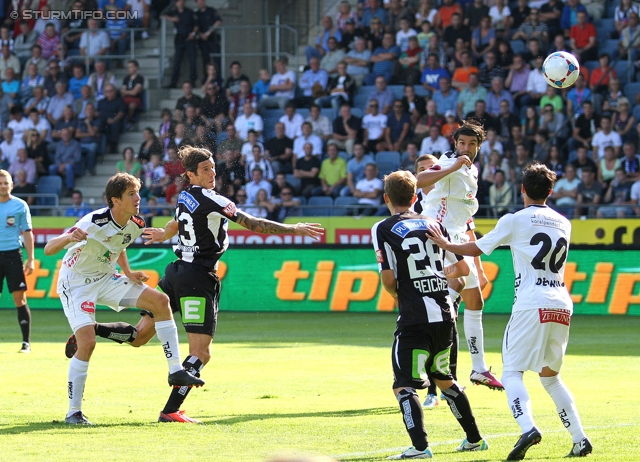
column 420, row 349
column 12, row 269
column 194, row 292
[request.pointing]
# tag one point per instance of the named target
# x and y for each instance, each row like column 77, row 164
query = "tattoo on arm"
column 260, row 225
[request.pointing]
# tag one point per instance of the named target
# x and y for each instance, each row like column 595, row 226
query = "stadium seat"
column 272, row 113
column 636, row 111
column 360, row 101
column 622, row 69
column 319, row 206
column 304, row 112
column 357, row 112
column 420, row 90
column 631, row 90
column 340, row 208
column 605, row 24
column 608, row 46
column 365, row 90
column 52, row 182
column 269, row 130
column 397, row 90
column 329, row 112
column 591, row 65
column 293, row 181
column 302, row 199
column 517, row 46
column 388, row 156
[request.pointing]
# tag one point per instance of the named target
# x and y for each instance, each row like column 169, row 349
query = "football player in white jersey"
column 537, row 334
column 453, row 203
column 88, row 277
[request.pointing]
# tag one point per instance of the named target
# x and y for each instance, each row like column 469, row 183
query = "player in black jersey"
column 201, row 221
column 414, row 271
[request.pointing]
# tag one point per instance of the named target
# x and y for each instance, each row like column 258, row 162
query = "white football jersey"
column 539, row 239
column 97, row 255
column 453, row 199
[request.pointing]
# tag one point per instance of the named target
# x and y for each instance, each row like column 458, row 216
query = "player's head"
column 400, row 189
column 425, row 162
column 468, row 138
column 200, row 169
column 537, row 181
column 122, row 191
column 6, row 183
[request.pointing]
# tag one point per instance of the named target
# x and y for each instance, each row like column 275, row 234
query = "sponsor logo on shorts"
column 88, row 307
column 193, row 310
column 564, row 418
column 11, row 220
column 516, row 408
column 558, row 316
column 230, row 209
column 379, row 256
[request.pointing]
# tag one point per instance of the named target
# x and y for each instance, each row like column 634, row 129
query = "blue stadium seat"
column 517, row 46
column 360, row 101
column 340, row 209
column 303, row 200
column 636, row 111
column 357, row 112
column 320, row 206
column 420, row 90
column 631, row 90
column 392, row 157
column 608, row 46
column 329, row 112
column 293, row 181
column 385, row 168
column 397, row 90
column 622, row 68
column 52, row 182
column 304, row 112
column 365, row 90
column 591, row 65
column 269, row 130
column 605, row 24
column 272, row 113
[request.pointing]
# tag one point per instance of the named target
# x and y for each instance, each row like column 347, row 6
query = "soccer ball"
column 561, row 69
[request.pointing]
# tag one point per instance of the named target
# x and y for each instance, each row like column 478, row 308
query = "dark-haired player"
column 415, row 271
column 538, row 332
column 201, row 222
column 88, row 277
column 453, row 203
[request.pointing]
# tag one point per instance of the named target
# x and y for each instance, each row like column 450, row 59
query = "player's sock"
column 475, row 339
column 518, row 399
column 565, row 405
column 431, row 390
column 461, row 409
column 24, row 318
column 167, row 333
column 119, row 332
column 413, row 417
column 178, row 394
column 453, row 354
column 77, row 378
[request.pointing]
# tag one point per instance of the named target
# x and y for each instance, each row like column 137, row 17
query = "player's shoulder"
column 98, row 217
column 216, row 202
column 138, row 221
column 19, row 202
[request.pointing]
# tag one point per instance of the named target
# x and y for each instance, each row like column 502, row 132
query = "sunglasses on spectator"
column 283, row 193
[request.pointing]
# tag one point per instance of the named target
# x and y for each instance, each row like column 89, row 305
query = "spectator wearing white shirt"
column 292, row 121
column 9, row 148
column 40, row 124
column 320, row 124
column 369, row 190
column 605, row 137
column 247, row 148
column 491, row 144
column 94, row 42
column 307, row 136
column 249, row 120
column 257, row 160
column 18, row 123
column 375, row 128
column 282, row 85
column 565, row 191
column 536, row 83
column 434, row 144
column 403, row 34
column 258, row 182
column 500, row 15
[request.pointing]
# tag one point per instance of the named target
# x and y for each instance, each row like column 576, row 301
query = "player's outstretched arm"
column 136, row 276
column 482, row 277
column 56, row 244
column 430, row 177
column 260, row 225
column 468, row 248
column 153, row 235
column 389, row 282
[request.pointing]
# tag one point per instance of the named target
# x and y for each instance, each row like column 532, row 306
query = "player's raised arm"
column 56, row 244
column 468, row 248
column 157, row 235
column 431, row 176
column 261, row 225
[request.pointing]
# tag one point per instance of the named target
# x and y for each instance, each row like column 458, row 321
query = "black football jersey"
column 402, row 245
column 202, row 217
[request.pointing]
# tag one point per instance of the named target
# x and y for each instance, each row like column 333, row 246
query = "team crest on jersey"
column 88, row 307
column 230, row 209
column 11, row 220
column 126, row 238
column 188, row 201
column 379, row 256
column 404, row 227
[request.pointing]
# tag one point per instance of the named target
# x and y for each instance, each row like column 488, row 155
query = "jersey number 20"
column 556, row 260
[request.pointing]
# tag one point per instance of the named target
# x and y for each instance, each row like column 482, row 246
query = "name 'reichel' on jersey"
column 539, row 238
column 202, row 217
column 402, row 245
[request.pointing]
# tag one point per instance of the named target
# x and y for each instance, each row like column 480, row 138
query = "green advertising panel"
column 346, row 279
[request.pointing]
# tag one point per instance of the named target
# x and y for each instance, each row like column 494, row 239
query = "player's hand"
column 482, row 279
column 138, row 277
column 153, row 235
column 436, row 235
column 78, row 235
column 462, row 161
column 313, row 230
column 28, row 267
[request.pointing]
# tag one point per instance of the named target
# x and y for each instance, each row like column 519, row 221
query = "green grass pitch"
column 305, row 384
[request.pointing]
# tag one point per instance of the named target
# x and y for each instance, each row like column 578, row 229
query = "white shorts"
column 80, row 295
column 534, row 339
column 471, row 281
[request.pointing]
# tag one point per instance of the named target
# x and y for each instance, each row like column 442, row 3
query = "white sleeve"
column 500, row 235
column 84, row 224
column 617, row 140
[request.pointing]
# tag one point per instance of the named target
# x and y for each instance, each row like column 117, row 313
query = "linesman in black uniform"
column 201, row 221
column 185, row 41
column 414, row 271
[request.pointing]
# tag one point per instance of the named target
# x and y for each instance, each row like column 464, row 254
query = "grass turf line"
column 312, row 383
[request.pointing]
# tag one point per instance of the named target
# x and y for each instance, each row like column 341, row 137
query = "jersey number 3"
column 556, row 260
column 187, row 233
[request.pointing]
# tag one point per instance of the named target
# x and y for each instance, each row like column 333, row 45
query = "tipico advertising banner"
column 346, row 279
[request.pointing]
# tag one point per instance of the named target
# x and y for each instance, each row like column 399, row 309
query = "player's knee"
column 452, row 390
column 406, row 392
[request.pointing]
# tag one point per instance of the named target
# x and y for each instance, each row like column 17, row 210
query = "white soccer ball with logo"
column 561, row 69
